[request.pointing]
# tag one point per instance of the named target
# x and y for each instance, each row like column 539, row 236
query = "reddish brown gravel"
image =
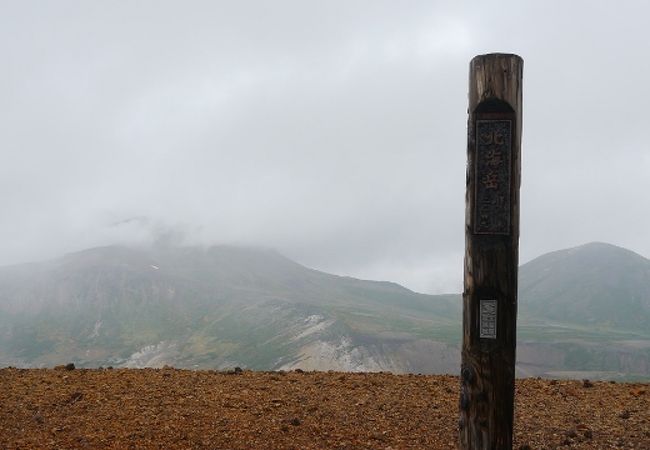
column 182, row 409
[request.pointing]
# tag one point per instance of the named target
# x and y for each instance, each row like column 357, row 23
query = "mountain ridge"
column 216, row 305
column 589, row 284
column 223, row 306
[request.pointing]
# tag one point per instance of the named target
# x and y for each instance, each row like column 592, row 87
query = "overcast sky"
column 333, row 131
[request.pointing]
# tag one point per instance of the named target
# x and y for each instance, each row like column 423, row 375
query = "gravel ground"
column 182, row 409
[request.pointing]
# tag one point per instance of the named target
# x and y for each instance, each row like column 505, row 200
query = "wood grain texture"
column 491, row 264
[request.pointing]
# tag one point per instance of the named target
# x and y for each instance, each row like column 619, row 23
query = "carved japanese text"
column 492, row 184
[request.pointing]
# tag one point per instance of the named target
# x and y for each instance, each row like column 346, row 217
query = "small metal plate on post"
column 488, row 319
column 493, row 172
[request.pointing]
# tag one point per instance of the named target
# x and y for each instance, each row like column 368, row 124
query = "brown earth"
column 182, row 409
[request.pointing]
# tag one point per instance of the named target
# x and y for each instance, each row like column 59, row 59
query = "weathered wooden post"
column 491, row 252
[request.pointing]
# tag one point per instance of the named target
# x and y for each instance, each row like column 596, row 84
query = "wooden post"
column 491, row 252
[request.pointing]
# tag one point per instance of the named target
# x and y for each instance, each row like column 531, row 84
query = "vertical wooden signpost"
column 491, row 252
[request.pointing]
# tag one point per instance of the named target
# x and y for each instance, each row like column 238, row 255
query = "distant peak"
column 598, row 244
column 104, row 250
column 602, row 247
column 246, row 250
column 592, row 252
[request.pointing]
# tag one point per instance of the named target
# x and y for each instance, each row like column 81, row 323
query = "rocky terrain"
column 181, row 409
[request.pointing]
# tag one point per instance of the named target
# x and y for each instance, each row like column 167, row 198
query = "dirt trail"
column 181, row 409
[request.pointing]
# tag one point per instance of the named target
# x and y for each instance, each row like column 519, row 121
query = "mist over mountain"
column 585, row 312
column 582, row 310
column 594, row 284
column 215, row 307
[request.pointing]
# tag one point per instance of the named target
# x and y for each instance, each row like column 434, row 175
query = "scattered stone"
column 69, row 366
column 572, row 433
column 75, row 397
column 587, row 384
column 637, row 392
column 191, row 409
column 624, row 414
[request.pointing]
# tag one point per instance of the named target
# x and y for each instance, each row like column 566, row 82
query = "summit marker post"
column 491, row 252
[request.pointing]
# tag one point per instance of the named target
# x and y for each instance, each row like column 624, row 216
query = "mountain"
column 217, row 307
column 583, row 312
column 594, row 285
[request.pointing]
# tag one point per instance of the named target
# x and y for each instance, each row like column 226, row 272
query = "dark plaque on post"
column 492, row 184
column 491, row 252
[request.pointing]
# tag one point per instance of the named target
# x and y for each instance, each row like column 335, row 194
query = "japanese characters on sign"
column 492, row 184
column 488, row 319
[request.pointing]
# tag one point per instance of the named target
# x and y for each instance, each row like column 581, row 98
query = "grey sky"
column 332, row 131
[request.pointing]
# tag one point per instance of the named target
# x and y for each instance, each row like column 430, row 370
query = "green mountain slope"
column 583, row 312
column 215, row 307
column 596, row 285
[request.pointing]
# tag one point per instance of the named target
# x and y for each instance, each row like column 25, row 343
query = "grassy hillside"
column 583, row 312
column 215, row 307
column 597, row 285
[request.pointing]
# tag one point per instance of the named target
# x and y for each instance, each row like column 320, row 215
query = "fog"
column 334, row 132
